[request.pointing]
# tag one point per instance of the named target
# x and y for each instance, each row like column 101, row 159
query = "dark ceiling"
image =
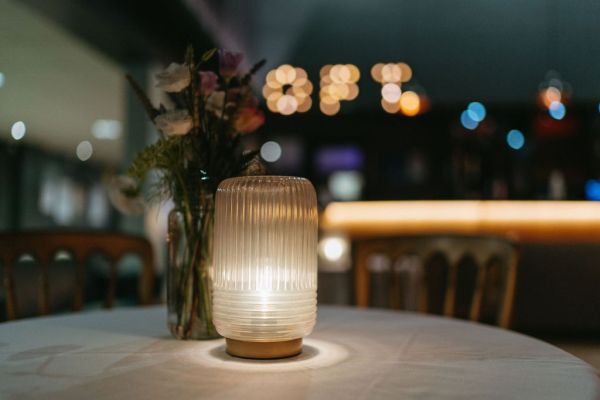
column 129, row 31
column 495, row 51
column 492, row 51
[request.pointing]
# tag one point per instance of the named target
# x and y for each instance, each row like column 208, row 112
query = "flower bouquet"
column 199, row 145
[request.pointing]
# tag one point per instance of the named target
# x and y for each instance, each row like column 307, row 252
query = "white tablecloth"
column 352, row 354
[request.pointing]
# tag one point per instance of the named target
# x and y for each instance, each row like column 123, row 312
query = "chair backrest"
column 43, row 246
column 493, row 279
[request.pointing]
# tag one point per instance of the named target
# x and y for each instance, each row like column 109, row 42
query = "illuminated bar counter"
column 523, row 221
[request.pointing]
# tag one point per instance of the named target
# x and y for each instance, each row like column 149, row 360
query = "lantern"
column 265, row 253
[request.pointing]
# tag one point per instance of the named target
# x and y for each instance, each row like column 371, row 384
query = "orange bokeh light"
column 410, row 103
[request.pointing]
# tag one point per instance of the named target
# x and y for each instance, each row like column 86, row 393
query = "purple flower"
column 208, row 82
column 229, row 62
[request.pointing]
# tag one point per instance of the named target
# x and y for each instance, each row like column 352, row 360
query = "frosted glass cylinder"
column 265, row 254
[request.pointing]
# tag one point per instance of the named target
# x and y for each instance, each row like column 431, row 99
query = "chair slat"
column 44, row 289
column 362, row 277
column 454, row 248
column 79, row 293
column 80, row 244
column 111, row 291
column 9, row 287
column 146, row 283
column 475, row 313
column 505, row 319
column 450, row 295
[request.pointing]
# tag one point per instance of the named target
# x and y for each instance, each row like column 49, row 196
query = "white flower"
column 176, row 122
column 118, row 188
column 174, row 79
column 214, row 103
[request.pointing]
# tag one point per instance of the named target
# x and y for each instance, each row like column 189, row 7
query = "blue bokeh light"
column 515, row 139
column 592, row 189
column 467, row 121
column 557, row 110
column 476, row 111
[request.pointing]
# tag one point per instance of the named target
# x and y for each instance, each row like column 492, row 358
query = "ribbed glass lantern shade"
column 265, row 254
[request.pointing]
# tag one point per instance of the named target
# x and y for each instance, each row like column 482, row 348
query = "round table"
column 352, row 354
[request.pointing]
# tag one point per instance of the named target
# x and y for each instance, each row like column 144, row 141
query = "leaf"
column 247, row 156
column 253, row 70
column 207, row 55
column 257, row 66
column 189, row 55
column 164, row 155
column 249, row 159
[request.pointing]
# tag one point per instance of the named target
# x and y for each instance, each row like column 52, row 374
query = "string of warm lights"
column 338, row 83
column 393, row 99
column 287, row 89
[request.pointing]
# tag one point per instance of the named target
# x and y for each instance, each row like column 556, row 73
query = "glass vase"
column 190, row 271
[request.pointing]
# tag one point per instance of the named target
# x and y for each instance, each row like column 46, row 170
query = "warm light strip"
column 524, row 220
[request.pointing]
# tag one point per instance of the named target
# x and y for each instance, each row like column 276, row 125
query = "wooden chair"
column 43, row 246
column 489, row 254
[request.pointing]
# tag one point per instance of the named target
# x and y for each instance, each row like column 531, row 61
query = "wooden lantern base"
column 264, row 350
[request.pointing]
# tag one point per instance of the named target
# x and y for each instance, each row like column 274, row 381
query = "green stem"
column 194, row 285
column 184, row 280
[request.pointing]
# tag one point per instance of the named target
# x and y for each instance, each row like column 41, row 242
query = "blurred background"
column 370, row 100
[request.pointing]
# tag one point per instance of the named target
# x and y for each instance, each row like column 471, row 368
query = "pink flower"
column 208, row 82
column 249, row 119
column 229, row 62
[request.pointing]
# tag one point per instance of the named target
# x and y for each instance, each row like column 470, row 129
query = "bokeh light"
column 329, row 108
column 515, row 139
column 332, row 248
column 376, row 72
column 270, row 151
column 2, row 79
column 467, row 121
column 391, row 73
column 391, row 92
column 84, row 150
column 550, row 95
column 592, row 189
column 338, row 83
column 410, row 103
column 394, row 99
column 476, row 111
column 287, row 104
column 106, row 129
column 391, row 108
column 285, row 74
column 346, row 185
column 287, row 90
column 557, row 110
column 405, row 72
column 17, row 130
column 554, row 90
